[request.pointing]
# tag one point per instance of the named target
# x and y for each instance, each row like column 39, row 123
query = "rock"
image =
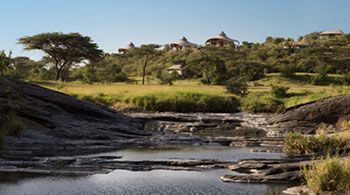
column 285, row 177
column 51, row 118
column 306, row 118
column 249, row 132
column 267, row 171
column 299, row 190
column 104, row 164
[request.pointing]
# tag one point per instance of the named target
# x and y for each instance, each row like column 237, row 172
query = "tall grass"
column 123, row 95
column 298, row 144
column 331, row 174
column 176, row 102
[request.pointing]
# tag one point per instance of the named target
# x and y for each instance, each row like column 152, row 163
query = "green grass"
column 129, row 96
column 329, row 175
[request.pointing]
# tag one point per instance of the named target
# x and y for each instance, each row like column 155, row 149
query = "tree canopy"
column 63, row 50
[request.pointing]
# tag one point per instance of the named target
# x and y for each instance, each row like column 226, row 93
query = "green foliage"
column 288, row 71
column 167, row 78
column 249, row 72
column 63, row 50
column 176, row 102
column 4, row 63
column 237, row 86
column 257, row 102
column 296, row 144
column 346, row 78
column 279, row 91
column 186, row 102
column 331, row 174
column 321, row 77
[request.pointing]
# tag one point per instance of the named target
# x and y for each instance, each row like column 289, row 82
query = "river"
column 147, row 182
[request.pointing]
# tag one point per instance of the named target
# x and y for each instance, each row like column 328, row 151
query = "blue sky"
column 114, row 23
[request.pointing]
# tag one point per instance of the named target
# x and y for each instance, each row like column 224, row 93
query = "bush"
column 237, row 86
column 296, row 144
column 288, row 71
column 330, row 174
column 262, row 103
column 279, row 91
column 319, row 79
column 249, row 72
column 346, row 78
column 166, row 78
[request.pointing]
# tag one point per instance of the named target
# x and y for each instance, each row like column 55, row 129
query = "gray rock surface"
column 52, row 119
column 306, row 118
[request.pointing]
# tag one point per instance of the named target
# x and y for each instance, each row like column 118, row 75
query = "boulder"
column 51, row 118
column 307, row 117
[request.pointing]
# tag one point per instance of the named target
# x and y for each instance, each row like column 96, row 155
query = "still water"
column 148, row 182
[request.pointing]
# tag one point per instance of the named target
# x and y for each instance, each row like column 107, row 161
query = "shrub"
column 296, row 144
column 279, row 91
column 319, row 79
column 288, row 71
column 237, row 86
column 346, row 78
column 250, row 72
column 262, row 103
column 166, row 78
column 343, row 124
column 330, row 174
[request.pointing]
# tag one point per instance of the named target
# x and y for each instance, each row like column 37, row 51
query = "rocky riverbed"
column 58, row 129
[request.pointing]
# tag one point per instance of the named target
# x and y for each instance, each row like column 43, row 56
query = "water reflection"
column 148, row 182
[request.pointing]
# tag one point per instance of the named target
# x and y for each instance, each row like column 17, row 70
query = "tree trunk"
column 144, row 72
column 57, row 74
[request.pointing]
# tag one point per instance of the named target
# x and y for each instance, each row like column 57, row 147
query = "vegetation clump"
column 186, row 102
column 331, row 174
column 262, row 102
column 237, row 86
column 321, row 144
column 279, row 91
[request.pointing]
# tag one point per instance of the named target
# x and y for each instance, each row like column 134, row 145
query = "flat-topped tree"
column 63, row 50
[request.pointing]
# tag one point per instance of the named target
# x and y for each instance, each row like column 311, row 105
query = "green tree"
column 5, row 62
column 63, row 50
column 145, row 54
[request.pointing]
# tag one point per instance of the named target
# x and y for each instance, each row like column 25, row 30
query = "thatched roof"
column 175, row 67
column 131, row 46
column 221, row 36
column 302, row 42
column 183, row 43
column 332, row 32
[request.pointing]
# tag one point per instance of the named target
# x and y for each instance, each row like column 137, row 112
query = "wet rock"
column 105, row 164
column 285, row 177
column 299, row 190
column 267, row 171
column 249, row 132
column 306, row 118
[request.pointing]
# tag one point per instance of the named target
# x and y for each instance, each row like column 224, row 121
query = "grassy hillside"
column 206, row 98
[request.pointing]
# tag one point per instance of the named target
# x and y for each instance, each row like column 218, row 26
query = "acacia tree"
column 63, row 50
column 145, row 53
